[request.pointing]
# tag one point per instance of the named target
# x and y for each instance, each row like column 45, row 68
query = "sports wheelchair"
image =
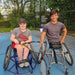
column 11, row 54
column 57, row 50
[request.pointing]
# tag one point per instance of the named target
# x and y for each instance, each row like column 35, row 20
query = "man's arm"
column 64, row 35
column 12, row 38
column 29, row 39
column 43, row 37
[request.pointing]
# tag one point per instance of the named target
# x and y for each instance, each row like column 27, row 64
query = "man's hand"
column 62, row 41
column 16, row 41
column 22, row 42
column 41, row 43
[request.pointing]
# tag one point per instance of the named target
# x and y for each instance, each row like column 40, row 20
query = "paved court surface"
column 55, row 69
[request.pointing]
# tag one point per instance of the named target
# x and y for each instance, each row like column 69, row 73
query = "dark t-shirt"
column 24, row 35
column 53, row 31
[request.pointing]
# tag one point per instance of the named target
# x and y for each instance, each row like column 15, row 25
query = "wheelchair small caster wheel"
column 66, row 73
column 48, row 72
column 31, row 72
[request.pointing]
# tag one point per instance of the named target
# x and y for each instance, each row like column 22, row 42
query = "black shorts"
column 55, row 45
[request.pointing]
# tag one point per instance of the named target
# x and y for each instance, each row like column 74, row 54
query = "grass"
column 10, row 29
column 32, row 28
column 5, row 29
column 72, row 34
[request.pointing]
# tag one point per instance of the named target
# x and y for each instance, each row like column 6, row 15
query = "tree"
column 66, row 9
column 1, row 16
column 19, row 4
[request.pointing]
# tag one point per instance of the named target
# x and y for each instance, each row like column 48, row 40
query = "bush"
column 71, row 28
column 13, row 22
column 30, row 19
column 1, row 17
column 5, row 24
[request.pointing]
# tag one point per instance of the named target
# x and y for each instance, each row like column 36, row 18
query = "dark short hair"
column 53, row 12
column 22, row 20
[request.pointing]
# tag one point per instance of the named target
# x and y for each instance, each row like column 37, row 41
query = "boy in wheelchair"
column 52, row 31
column 20, row 37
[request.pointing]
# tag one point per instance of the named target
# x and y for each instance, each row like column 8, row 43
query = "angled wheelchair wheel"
column 68, row 55
column 34, row 55
column 32, row 62
column 36, row 51
column 43, row 67
column 7, row 57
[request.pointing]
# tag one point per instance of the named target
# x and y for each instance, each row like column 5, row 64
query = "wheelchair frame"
column 5, row 66
column 53, row 54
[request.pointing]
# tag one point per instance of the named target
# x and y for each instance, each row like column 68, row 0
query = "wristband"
column 41, row 42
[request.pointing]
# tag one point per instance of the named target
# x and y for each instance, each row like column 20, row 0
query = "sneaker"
column 21, row 65
column 26, row 64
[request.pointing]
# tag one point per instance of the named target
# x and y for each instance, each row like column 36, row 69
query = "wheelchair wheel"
column 68, row 55
column 7, row 57
column 32, row 62
column 34, row 55
column 43, row 67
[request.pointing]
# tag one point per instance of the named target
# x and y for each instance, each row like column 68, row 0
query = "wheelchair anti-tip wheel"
column 7, row 57
column 68, row 55
column 66, row 73
column 43, row 67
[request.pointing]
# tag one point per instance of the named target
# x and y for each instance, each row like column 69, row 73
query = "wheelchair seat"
column 55, row 45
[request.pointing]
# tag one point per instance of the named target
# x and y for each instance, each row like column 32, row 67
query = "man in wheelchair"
column 20, row 37
column 52, row 30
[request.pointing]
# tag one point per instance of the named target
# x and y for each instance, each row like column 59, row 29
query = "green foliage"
column 65, row 7
column 30, row 19
column 66, row 11
column 1, row 17
column 29, row 16
column 13, row 22
column 4, row 24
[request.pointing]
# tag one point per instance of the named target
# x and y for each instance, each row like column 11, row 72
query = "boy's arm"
column 64, row 35
column 42, row 37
